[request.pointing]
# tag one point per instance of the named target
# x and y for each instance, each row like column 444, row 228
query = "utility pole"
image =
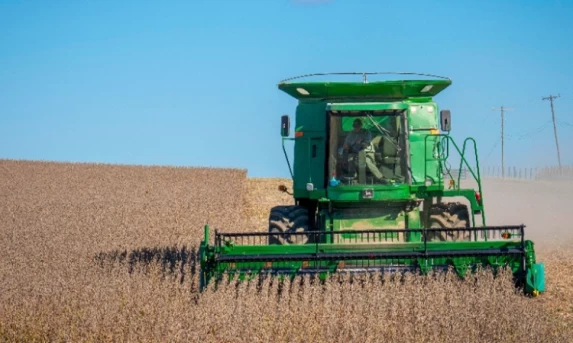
column 503, row 109
column 551, row 98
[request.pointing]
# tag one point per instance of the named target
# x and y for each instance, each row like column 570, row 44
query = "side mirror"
column 445, row 118
column 285, row 125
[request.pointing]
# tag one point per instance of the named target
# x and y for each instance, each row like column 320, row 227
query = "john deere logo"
column 368, row 193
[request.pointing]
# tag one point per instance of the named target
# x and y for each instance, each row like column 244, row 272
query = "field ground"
column 67, row 231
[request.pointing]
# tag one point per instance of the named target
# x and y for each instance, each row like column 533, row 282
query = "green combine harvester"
column 374, row 191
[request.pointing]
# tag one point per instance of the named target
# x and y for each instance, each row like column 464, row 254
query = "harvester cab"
column 374, row 190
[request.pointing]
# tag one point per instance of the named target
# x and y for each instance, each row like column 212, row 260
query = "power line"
column 492, row 149
column 551, row 98
column 503, row 109
column 489, row 118
column 535, row 131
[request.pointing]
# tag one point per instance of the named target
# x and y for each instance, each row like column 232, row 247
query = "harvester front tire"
column 284, row 220
column 449, row 215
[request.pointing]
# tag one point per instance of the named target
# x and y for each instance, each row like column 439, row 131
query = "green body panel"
column 422, row 119
column 423, row 115
column 380, row 192
column 419, row 150
column 366, row 218
column 413, row 221
column 536, row 278
column 310, row 149
column 391, row 209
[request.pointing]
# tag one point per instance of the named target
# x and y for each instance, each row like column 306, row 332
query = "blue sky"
column 193, row 83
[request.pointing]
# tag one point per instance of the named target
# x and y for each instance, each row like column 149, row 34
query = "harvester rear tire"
column 284, row 220
column 449, row 215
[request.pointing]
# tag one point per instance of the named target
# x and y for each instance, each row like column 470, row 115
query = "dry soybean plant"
column 58, row 218
column 106, row 253
column 379, row 308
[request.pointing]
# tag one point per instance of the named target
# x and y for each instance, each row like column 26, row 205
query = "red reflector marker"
column 478, row 196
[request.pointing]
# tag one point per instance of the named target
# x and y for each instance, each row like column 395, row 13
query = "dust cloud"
column 542, row 206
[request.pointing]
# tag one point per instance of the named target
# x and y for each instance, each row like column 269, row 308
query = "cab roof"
column 396, row 89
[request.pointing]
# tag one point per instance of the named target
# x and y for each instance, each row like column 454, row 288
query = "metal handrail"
column 341, row 232
column 222, row 239
column 463, row 160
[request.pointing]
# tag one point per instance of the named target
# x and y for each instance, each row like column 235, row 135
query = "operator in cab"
column 360, row 139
